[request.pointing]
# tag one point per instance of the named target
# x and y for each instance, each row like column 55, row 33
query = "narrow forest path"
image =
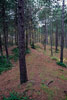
column 47, row 80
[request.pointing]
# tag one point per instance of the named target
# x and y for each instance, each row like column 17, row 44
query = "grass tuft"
column 63, row 77
column 55, row 58
column 61, row 64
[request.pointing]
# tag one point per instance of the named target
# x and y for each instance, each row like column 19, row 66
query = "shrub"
column 33, row 46
column 37, row 46
column 66, row 98
column 55, row 58
column 4, row 66
column 61, row 64
column 57, row 51
column 27, row 51
column 15, row 54
column 16, row 96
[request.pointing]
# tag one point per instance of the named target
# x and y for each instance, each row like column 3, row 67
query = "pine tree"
column 22, row 62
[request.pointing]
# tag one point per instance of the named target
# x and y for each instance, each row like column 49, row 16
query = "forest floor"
column 46, row 79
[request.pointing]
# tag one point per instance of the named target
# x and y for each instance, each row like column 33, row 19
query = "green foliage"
column 4, row 66
column 66, row 98
column 33, row 46
column 61, row 64
column 63, row 77
column 48, row 91
column 37, row 46
column 27, row 51
column 15, row 54
column 55, row 58
column 16, row 96
column 57, row 51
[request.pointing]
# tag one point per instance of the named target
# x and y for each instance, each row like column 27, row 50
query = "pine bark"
column 62, row 34
column 27, row 39
column 45, row 37
column 51, row 39
column 16, row 24
column 21, row 33
column 1, row 51
column 56, row 43
column 4, row 30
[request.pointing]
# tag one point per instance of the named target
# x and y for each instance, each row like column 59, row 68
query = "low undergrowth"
column 27, row 51
column 15, row 55
column 55, row 58
column 48, row 91
column 63, row 77
column 33, row 46
column 66, row 98
column 16, row 96
column 61, row 64
column 4, row 66
column 15, row 52
column 57, row 51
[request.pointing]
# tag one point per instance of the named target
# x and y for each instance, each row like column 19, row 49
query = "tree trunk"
column 62, row 33
column 4, row 30
column 22, row 62
column 51, row 39
column 27, row 39
column 56, row 43
column 1, row 51
column 66, row 40
column 45, row 37
column 16, row 24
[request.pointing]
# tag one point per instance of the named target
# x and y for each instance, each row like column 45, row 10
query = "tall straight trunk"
column 33, row 38
column 21, row 33
column 4, row 30
column 16, row 23
column 56, row 42
column 16, row 35
column 45, row 37
column 65, row 36
column 51, row 39
column 66, row 40
column 27, row 39
column 1, row 51
column 12, row 39
column 39, row 34
column 62, row 33
column 30, row 41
